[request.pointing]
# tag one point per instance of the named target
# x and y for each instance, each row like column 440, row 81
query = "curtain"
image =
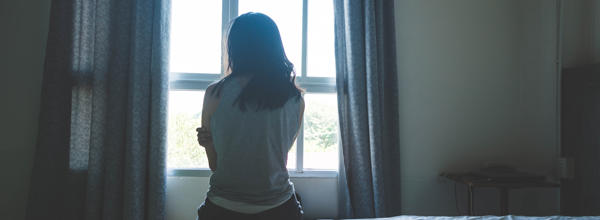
column 101, row 141
column 368, row 108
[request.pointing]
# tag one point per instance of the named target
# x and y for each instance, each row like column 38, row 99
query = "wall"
column 24, row 26
column 477, row 85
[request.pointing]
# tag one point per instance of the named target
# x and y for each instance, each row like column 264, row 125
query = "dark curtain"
column 368, row 108
column 580, row 126
column 101, row 142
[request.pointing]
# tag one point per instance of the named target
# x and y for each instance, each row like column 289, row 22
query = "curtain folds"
column 102, row 132
column 368, row 108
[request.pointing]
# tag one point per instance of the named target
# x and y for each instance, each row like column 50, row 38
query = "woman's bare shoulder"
column 301, row 101
column 211, row 101
column 211, row 88
column 213, row 91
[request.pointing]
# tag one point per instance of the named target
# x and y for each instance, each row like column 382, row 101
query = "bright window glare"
column 185, row 115
column 287, row 14
column 321, row 131
column 320, row 39
column 195, row 36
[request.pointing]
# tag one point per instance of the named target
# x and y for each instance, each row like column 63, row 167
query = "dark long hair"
column 255, row 50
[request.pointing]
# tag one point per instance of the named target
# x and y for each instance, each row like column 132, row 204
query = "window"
column 306, row 27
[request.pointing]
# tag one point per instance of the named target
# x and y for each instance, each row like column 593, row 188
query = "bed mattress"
column 508, row 217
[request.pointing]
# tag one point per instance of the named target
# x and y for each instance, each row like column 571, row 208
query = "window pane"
column 320, row 52
column 185, row 115
column 321, row 131
column 195, row 36
column 291, row 161
column 287, row 14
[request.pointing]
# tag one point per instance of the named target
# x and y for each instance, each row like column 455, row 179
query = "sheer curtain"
column 368, row 108
column 101, row 142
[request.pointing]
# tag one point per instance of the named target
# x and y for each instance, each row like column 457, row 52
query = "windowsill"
column 203, row 172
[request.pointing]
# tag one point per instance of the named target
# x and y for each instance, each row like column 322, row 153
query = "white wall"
column 185, row 194
column 24, row 26
column 477, row 84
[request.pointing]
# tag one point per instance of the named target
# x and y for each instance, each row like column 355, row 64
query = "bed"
column 507, row 217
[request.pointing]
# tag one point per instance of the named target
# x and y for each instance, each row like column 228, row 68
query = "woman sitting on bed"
column 250, row 120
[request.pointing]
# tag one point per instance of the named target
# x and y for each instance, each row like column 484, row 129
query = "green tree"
column 183, row 148
column 321, row 126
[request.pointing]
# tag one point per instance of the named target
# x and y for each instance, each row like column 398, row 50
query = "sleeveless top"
column 252, row 147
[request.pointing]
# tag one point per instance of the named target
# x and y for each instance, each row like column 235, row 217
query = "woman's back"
column 251, row 148
column 249, row 122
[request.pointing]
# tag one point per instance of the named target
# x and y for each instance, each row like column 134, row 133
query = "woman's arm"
column 204, row 136
column 205, row 140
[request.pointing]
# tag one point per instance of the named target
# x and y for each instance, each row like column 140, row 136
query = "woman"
column 250, row 120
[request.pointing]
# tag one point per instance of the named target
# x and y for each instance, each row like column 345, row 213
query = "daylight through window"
column 197, row 30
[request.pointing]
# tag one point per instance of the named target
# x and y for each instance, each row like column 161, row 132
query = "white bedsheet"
column 508, row 217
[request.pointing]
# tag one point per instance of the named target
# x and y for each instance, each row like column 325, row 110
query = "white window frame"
column 180, row 81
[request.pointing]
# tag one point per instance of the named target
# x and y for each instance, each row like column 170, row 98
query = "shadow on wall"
column 478, row 84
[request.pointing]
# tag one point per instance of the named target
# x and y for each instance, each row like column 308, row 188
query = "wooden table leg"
column 470, row 197
column 503, row 201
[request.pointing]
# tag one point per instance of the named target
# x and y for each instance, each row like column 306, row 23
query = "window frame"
column 182, row 81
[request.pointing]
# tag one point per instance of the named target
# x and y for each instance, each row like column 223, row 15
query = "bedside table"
column 504, row 185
